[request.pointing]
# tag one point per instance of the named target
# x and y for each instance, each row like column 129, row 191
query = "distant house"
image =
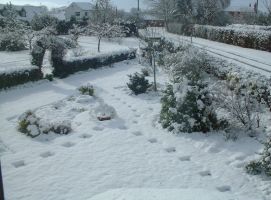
column 26, row 12
column 79, row 10
column 152, row 21
column 239, row 9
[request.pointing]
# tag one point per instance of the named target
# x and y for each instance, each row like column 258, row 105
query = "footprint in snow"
column 112, row 95
column 138, row 115
column 151, row 109
column 124, row 102
column 18, row 164
column 135, row 122
column 129, row 106
column 134, row 110
column 240, row 157
column 205, row 173
column 97, row 128
column 152, row 140
column 185, row 158
column 170, row 149
column 224, row 188
column 123, row 127
column 46, row 154
column 85, row 136
column 68, row 144
column 137, row 133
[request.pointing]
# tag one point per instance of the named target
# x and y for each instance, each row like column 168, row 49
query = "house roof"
column 84, row 5
column 31, row 11
column 245, row 6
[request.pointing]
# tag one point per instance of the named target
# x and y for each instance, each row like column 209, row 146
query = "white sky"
column 121, row 4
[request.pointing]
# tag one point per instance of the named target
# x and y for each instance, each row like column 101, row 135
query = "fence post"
column 1, row 184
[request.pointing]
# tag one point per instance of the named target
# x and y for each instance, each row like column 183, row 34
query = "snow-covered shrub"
column 187, row 63
column 87, row 90
column 248, row 38
column 40, row 22
column 12, row 41
column 187, row 107
column 37, row 53
column 72, row 65
column 254, row 168
column 49, row 77
column 20, row 77
column 138, row 83
column 264, row 163
column 33, row 126
column 241, row 104
column 145, row 72
column 28, row 124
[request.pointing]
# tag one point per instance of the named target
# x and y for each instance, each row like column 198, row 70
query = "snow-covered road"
column 259, row 61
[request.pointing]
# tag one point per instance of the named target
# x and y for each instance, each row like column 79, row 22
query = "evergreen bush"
column 87, row 90
column 138, row 83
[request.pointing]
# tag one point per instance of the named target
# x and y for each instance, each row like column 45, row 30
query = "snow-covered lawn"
column 132, row 152
column 128, row 157
column 14, row 61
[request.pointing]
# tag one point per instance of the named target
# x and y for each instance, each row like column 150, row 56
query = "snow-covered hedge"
column 251, row 27
column 263, row 165
column 71, row 65
column 13, row 78
column 248, row 38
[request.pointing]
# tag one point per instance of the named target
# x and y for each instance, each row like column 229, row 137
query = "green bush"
column 12, row 42
column 145, row 72
column 87, row 90
column 188, row 108
column 49, row 77
column 254, row 168
column 37, row 53
column 19, row 77
column 138, row 83
column 263, row 164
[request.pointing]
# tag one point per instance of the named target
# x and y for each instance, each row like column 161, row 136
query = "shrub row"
column 248, row 38
column 63, row 68
column 19, row 77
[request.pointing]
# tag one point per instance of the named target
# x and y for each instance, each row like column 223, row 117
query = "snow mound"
column 165, row 194
column 58, row 117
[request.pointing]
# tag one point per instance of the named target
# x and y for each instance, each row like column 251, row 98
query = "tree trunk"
column 154, row 73
column 99, row 44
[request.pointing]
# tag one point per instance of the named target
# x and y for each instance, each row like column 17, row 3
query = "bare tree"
column 165, row 9
column 103, row 11
column 105, row 30
column 267, row 4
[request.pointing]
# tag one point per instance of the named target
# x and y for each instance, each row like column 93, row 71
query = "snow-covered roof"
column 83, row 5
column 150, row 17
column 245, row 6
column 30, row 10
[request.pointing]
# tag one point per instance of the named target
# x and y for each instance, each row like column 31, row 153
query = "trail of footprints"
column 47, row 154
column 187, row 158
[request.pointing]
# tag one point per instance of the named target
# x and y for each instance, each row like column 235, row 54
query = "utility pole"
column 1, row 185
column 138, row 9
column 257, row 7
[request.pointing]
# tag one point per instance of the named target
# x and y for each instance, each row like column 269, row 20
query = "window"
column 77, row 14
column 86, row 13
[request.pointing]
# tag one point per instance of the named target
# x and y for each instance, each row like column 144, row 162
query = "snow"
column 21, row 62
column 243, row 57
column 132, row 151
column 163, row 194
